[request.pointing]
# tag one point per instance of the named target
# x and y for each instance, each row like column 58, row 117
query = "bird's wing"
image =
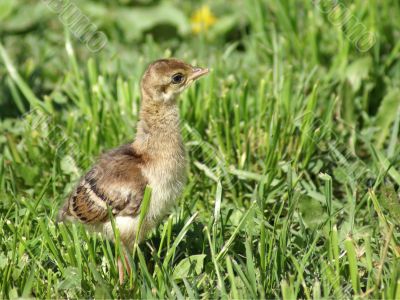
column 116, row 182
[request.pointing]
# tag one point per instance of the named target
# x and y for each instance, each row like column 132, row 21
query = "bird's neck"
column 158, row 131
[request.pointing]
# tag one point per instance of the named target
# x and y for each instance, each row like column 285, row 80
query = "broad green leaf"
column 190, row 265
column 68, row 165
column 135, row 21
column 358, row 71
column 312, row 212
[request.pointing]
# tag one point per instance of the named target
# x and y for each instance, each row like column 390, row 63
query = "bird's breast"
column 166, row 180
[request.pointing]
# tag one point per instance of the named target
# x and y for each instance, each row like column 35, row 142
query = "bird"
column 156, row 158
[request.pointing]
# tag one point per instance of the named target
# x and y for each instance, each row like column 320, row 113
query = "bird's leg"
column 121, row 270
column 128, row 266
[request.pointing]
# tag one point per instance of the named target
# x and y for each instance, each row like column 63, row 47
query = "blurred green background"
column 246, row 32
column 137, row 32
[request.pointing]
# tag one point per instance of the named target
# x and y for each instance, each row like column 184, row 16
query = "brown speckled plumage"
column 100, row 189
column 116, row 183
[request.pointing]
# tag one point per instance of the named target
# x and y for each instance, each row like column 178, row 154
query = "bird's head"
column 165, row 79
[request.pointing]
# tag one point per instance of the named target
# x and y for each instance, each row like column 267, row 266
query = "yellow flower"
column 202, row 19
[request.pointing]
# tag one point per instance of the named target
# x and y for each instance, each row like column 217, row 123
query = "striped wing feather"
column 115, row 182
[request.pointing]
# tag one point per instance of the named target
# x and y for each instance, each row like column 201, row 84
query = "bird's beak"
column 198, row 72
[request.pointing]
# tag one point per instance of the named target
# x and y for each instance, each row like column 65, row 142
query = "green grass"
column 293, row 142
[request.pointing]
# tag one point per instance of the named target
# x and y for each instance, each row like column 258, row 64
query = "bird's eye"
column 177, row 78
